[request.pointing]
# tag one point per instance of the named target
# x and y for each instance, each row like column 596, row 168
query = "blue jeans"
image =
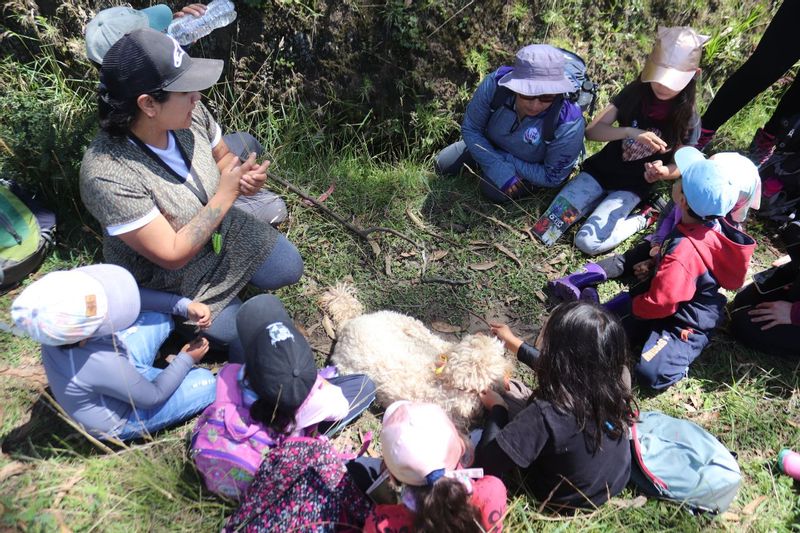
column 451, row 161
column 195, row 393
column 282, row 267
column 610, row 221
column 360, row 393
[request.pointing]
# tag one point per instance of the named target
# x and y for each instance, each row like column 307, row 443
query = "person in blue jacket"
column 504, row 129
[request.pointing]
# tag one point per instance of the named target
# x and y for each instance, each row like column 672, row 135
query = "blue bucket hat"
column 709, row 185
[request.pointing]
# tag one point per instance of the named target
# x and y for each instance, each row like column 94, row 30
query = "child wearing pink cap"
column 424, row 453
column 642, row 126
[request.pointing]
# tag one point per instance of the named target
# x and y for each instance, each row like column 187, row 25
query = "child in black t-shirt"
column 654, row 115
column 571, row 438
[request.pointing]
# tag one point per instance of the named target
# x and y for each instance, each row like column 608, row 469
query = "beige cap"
column 675, row 57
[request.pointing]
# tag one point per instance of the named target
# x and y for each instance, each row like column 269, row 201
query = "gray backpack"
column 680, row 461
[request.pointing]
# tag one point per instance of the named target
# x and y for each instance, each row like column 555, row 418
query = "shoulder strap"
column 551, row 119
column 228, row 385
column 501, row 93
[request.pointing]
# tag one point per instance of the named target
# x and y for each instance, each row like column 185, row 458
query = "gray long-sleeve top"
column 99, row 387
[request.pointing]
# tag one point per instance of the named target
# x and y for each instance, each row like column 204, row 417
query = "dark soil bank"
column 386, row 57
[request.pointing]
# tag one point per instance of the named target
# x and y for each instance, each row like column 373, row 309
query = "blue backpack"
column 680, row 461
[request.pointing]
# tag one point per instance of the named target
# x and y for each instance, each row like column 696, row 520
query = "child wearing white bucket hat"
column 99, row 335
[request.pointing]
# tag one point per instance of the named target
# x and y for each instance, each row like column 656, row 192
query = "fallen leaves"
column 751, row 507
column 12, row 469
column 438, row 255
column 444, row 327
column 622, row 503
column 481, row 267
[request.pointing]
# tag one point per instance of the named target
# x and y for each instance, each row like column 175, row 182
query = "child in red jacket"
column 675, row 311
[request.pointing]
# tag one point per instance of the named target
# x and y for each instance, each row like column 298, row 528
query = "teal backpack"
column 678, row 460
column 27, row 232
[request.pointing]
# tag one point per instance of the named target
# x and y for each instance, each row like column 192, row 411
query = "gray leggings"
column 264, row 205
column 610, row 221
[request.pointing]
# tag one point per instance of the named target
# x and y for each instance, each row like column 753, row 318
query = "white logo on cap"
column 177, row 53
column 278, row 332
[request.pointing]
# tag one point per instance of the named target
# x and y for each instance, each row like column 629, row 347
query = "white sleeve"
column 120, row 229
column 217, row 136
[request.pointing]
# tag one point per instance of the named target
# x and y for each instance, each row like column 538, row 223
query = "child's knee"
column 659, row 367
column 586, row 242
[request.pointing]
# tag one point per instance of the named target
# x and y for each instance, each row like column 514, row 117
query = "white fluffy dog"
column 408, row 362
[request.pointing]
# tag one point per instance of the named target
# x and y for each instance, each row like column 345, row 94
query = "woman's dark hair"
column 274, row 417
column 445, row 506
column 117, row 114
column 680, row 118
column 580, row 370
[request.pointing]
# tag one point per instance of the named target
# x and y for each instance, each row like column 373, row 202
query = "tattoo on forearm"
column 203, row 224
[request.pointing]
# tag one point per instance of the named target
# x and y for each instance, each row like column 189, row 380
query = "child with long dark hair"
column 425, row 454
column 570, row 436
column 654, row 115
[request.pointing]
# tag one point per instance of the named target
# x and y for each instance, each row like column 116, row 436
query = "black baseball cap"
column 279, row 363
column 147, row 60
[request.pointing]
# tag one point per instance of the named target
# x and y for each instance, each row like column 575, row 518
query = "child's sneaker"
column 762, row 147
column 651, row 208
column 590, row 294
column 705, row 138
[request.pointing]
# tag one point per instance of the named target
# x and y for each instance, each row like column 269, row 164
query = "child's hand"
column 649, row 139
column 655, row 248
column 196, row 349
column 200, row 314
column 643, row 269
column 655, row 171
column 490, row 398
column 772, row 313
column 503, row 332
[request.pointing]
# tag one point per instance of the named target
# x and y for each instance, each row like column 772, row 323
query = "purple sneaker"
column 569, row 287
column 590, row 294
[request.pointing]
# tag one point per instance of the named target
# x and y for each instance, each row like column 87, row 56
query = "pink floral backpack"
column 227, row 445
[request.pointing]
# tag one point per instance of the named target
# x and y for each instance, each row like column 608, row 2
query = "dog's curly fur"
column 401, row 355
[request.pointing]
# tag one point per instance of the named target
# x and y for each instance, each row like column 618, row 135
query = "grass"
column 53, row 478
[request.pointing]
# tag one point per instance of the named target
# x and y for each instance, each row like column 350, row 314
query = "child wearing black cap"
column 280, row 380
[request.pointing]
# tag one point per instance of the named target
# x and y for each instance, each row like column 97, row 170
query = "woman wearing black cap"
column 152, row 178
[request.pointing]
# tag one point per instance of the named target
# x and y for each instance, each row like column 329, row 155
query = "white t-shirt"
column 170, row 155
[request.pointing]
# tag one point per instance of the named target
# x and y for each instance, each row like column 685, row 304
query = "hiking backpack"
column 678, row 460
column 584, row 95
column 227, row 445
column 782, row 170
column 302, row 485
column 27, row 231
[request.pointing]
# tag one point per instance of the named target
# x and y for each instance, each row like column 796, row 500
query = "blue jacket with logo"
column 507, row 148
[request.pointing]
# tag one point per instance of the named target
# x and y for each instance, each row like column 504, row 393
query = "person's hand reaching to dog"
column 490, row 398
column 504, row 333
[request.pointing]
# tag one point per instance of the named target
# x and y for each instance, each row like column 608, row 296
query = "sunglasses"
column 544, row 98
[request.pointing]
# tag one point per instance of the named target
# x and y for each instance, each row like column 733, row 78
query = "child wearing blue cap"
column 675, row 308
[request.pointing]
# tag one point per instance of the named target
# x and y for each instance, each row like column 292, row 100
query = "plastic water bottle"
column 188, row 29
column 789, row 463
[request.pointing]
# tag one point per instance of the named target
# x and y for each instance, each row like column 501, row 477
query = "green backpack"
column 27, row 232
